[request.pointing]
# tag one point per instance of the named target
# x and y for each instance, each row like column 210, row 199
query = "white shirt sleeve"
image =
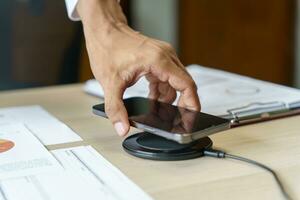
column 71, row 8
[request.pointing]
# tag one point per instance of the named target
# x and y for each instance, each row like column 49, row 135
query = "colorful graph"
column 6, row 145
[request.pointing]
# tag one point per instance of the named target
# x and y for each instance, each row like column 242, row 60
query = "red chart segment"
column 6, row 145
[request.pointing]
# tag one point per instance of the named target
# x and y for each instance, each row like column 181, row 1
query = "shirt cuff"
column 71, row 8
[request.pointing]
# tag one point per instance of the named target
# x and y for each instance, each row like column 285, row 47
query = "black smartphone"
column 172, row 122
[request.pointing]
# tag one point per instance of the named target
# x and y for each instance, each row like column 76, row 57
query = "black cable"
column 221, row 154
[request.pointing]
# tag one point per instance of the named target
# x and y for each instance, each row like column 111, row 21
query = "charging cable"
column 221, row 154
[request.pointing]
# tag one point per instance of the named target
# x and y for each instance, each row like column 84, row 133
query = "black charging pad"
column 149, row 146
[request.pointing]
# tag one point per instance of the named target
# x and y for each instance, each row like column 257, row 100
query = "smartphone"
column 166, row 120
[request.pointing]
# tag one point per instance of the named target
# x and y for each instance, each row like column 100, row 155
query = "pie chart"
column 6, row 145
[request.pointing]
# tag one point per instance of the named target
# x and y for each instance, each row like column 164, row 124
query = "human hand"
column 119, row 56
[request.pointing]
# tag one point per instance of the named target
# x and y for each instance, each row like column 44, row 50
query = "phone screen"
column 166, row 117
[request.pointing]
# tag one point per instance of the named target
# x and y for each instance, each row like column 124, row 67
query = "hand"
column 119, row 56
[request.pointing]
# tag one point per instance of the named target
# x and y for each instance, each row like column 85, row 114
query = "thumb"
column 115, row 109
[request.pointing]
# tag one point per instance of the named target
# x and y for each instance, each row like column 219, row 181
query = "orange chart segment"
column 6, row 145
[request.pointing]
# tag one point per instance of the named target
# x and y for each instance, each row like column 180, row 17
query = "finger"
column 189, row 99
column 187, row 119
column 183, row 102
column 161, row 91
column 115, row 109
column 180, row 80
column 167, row 94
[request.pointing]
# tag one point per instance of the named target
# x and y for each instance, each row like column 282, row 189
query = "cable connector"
column 214, row 153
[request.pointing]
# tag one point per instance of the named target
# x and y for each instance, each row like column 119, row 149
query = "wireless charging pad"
column 149, row 146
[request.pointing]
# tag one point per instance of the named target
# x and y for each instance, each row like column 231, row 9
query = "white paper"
column 86, row 175
column 44, row 126
column 219, row 91
column 21, row 154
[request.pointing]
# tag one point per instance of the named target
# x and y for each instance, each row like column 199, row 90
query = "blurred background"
column 40, row 46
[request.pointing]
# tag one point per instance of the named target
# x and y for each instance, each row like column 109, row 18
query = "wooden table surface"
column 274, row 143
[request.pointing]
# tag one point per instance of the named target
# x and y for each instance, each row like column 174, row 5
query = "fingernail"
column 119, row 128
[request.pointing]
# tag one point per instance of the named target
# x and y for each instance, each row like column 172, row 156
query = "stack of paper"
column 43, row 125
column 86, row 175
column 28, row 171
column 22, row 154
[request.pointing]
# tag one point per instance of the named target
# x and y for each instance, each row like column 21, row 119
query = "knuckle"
column 125, row 76
column 159, row 54
column 191, row 84
column 169, row 47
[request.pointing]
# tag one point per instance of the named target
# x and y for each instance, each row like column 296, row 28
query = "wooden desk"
column 275, row 143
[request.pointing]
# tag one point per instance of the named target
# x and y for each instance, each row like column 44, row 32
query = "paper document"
column 221, row 92
column 21, row 154
column 86, row 175
column 44, row 126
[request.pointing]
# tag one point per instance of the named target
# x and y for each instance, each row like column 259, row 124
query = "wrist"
column 101, row 18
column 100, row 13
